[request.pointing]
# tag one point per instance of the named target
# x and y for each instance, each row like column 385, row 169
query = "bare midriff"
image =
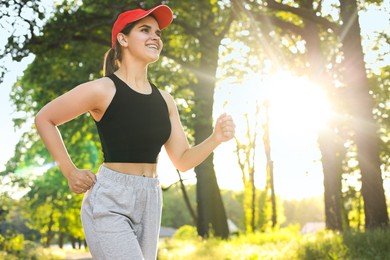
column 137, row 169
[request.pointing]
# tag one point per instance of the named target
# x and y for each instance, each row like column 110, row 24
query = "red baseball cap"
column 162, row 13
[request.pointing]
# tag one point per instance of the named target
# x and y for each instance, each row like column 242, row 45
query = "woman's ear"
column 122, row 39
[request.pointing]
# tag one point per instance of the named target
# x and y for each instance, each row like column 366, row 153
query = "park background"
column 253, row 60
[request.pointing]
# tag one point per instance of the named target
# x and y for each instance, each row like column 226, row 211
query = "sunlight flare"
column 296, row 103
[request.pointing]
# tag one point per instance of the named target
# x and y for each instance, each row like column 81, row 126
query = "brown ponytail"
column 113, row 57
column 110, row 64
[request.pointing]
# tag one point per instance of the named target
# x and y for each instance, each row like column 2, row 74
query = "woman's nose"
column 155, row 36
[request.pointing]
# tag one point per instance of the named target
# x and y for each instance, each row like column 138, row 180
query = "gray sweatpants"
column 121, row 216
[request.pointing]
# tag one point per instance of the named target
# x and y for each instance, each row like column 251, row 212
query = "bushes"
column 186, row 232
column 12, row 243
column 13, row 247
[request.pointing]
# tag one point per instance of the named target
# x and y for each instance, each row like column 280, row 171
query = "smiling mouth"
column 154, row 47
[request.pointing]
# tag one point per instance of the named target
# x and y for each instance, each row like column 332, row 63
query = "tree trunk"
column 49, row 230
column 253, row 198
column 363, row 124
column 210, row 206
column 330, row 144
column 61, row 240
column 269, row 165
column 331, row 165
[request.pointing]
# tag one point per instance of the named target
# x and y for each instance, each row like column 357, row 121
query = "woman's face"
column 144, row 42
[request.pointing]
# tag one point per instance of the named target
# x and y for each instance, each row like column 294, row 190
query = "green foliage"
column 380, row 92
column 175, row 213
column 186, row 232
column 28, row 250
column 13, row 223
column 262, row 238
column 53, row 208
column 233, row 201
column 14, row 246
column 13, row 243
column 373, row 244
column 349, row 245
column 286, row 243
column 303, row 211
column 237, row 247
column 324, row 245
column 290, row 212
column 265, row 211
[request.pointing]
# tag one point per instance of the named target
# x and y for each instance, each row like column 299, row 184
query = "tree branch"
column 304, row 13
column 194, row 31
column 267, row 19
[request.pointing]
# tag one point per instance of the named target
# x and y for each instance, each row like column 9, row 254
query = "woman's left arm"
column 178, row 149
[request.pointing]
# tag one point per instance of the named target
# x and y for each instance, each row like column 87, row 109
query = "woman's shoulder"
column 101, row 85
column 100, row 82
column 168, row 99
column 97, row 93
column 166, row 95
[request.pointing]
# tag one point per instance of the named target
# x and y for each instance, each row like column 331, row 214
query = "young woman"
column 121, row 210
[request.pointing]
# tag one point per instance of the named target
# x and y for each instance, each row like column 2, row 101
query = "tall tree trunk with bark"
column 330, row 143
column 211, row 211
column 363, row 124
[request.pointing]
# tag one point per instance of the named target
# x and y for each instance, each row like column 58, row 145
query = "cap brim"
column 163, row 15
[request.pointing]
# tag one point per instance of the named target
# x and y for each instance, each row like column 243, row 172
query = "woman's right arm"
column 86, row 97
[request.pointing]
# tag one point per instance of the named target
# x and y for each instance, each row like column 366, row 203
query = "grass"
column 282, row 244
column 285, row 243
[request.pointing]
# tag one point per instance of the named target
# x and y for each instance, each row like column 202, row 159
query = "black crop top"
column 134, row 126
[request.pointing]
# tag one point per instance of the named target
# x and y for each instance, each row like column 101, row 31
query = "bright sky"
column 296, row 158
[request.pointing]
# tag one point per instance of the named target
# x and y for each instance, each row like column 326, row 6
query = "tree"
column 269, row 187
column 363, row 124
column 246, row 158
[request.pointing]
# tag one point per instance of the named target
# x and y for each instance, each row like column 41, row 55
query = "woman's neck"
column 134, row 74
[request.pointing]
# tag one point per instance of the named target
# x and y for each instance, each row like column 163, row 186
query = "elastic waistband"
column 126, row 179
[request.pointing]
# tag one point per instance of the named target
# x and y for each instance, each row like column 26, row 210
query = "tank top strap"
column 116, row 80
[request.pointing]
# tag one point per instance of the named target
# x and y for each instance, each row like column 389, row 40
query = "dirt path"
column 78, row 255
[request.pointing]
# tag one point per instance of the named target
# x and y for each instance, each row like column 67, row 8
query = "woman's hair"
column 113, row 56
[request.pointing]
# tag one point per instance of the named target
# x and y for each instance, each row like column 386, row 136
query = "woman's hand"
column 80, row 181
column 224, row 129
